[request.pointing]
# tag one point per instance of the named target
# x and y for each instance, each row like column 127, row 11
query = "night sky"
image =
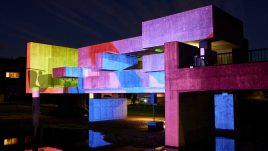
column 78, row 23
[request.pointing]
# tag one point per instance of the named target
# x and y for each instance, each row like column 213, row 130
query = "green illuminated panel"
column 43, row 58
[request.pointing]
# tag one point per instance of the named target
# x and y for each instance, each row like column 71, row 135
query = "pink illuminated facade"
column 190, row 44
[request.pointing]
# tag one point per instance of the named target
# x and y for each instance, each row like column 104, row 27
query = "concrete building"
column 198, row 58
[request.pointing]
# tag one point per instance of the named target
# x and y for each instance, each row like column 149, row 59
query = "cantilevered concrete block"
column 190, row 25
column 156, row 79
column 67, row 72
column 109, row 61
column 153, row 62
column 87, row 56
column 107, row 109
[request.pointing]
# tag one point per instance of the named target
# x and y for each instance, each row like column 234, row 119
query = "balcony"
column 251, row 56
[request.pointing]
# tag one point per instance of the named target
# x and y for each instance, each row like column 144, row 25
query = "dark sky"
column 78, row 23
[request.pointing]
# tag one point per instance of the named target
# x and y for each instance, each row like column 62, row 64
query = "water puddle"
column 96, row 139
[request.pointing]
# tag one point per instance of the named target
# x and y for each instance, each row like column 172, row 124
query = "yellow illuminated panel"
column 12, row 75
column 42, row 58
column 10, row 141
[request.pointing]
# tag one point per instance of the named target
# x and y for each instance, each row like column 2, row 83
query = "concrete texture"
column 186, row 26
column 153, row 62
column 224, row 111
column 180, row 80
column 107, row 109
column 109, row 61
column 67, row 72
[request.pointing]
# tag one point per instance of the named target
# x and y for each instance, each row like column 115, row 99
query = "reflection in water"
column 45, row 149
column 96, row 139
column 225, row 144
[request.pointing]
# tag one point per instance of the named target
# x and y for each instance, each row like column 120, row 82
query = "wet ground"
column 75, row 133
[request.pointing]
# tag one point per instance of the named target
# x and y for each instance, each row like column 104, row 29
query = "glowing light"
column 145, row 100
column 12, row 75
column 10, row 141
column 35, row 92
column 158, row 50
column 91, row 95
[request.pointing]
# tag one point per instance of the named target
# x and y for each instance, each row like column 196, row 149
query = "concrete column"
column 36, row 114
column 171, row 59
column 172, row 119
column 206, row 44
column 205, row 49
column 36, row 107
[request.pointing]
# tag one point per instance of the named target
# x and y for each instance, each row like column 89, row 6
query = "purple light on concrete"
column 153, row 62
column 86, row 55
column 118, row 79
column 129, row 45
column 190, row 25
column 35, row 92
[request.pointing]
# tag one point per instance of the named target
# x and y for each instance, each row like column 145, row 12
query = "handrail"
column 256, row 55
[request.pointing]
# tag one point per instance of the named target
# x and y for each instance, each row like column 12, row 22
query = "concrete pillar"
column 210, row 57
column 36, row 107
column 171, row 59
column 206, row 44
column 36, row 114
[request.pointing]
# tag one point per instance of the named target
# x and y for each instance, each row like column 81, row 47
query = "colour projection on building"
column 41, row 59
column 224, row 111
column 161, row 60
column 89, row 70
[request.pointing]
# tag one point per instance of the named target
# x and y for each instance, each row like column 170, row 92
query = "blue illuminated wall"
column 107, row 109
column 224, row 144
column 224, row 111
column 110, row 61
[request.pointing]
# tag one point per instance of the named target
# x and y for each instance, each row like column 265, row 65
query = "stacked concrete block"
column 153, row 62
column 67, row 72
column 156, row 79
column 107, row 109
column 110, row 61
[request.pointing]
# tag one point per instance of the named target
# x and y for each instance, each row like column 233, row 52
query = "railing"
column 257, row 55
column 224, row 58
column 213, row 59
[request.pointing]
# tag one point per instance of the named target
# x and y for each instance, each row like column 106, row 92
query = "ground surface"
column 71, row 132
